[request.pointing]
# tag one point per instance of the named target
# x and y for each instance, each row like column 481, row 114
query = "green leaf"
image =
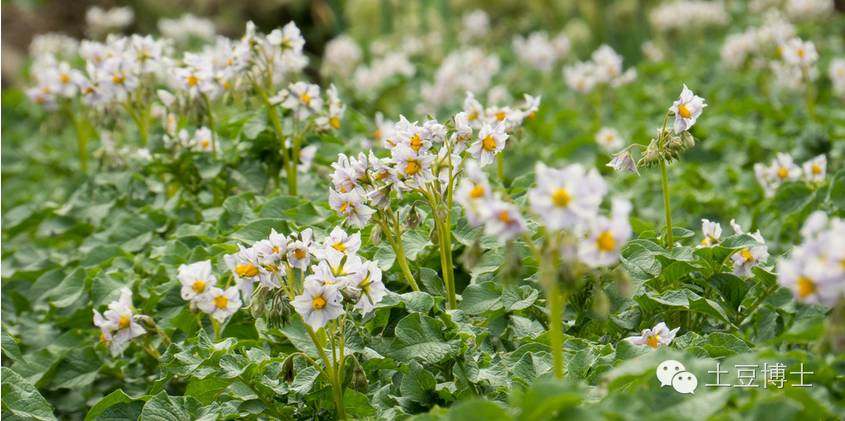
column 10, row 346
column 477, row 409
column 206, row 390
column 112, row 400
column 481, row 298
column 22, row 399
column 421, row 337
column 545, row 398
column 163, row 407
column 357, row 404
column 418, row 384
column 259, row 230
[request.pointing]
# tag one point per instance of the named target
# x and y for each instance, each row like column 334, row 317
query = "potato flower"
column 749, row 256
column 606, row 236
column 318, row 304
column 117, row 325
column 687, row 109
column 220, row 303
column 659, row 335
column 491, row 140
column 567, row 196
column 196, row 279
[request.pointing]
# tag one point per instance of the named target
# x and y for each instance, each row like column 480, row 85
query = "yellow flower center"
column 746, row 254
column 416, row 143
column 275, row 250
column 477, row 192
column 783, row 172
column 198, row 286
column 505, row 217
column 806, row 286
column 472, row 116
column 800, row 52
column 246, row 270
column 653, row 341
column 299, row 254
column 123, row 322
column 561, row 197
column 706, row 241
column 221, row 302
column 412, row 167
column 488, row 143
column 683, row 111
column 343, row 207
column 192, row 81
column 339, row 246
column 318, row 302
column 205, row 143
column 118, row 79
column 377, row 134
column 605, row 242
column 500, row 115
column 816, row 169
column 334, row 122
column 305, row 98
column 64, row 78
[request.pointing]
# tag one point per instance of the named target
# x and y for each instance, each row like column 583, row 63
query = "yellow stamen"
column 816, row 169
column 683, row 111
column 561, row 197
column 343, row 207
column 653, row 341
column 198, row 286
column 505, row 217
column 275, row 250
column 500, row 115
column 605, row 242
column 318, row 302
column 192, row 81
column 64, row 78
column 305, row 98
column 118, row 78
column 377, row 134
column 746, row 254
column 246, row 270
column 339, row 246
column 412, row 167
column 477, row 192
column 488, row 143
column 806, row 286
column 416, row 143
column 221, row 301
column 783, row 172
column 472, row 116
column 299, row 254
column 123, row 322
column 334, row 122
column 205, row 143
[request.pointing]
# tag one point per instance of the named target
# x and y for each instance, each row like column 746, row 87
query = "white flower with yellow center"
column 606, row 236
column 815, row 169
column 815, row 269
column 566, row 197
column 204, row 141
column 748, row 257
column 318, row 304
column 712, row 233
column 581, row 77
column 784, row 169
column 503, row 220
column 196, row 279
column 659, row 335
column 609, row 139
column 474, row 111
column 299, row 249
column 415, row 169
column 491, row 140
column 303, row 99
column 367, row 283
column 798, row 52
column 836, row 72
column 117, row 325
column 331, row 119
column 345, row 243
column 687, row 109
column 462, row 134
column 351, row 206
column 473, row 192
column 220, row 303
column 244, row 266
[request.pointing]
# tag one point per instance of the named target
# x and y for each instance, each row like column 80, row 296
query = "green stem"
column 555, row 302
column 664, row 176
column 500, row 166
column 395, row 241
column 280, row 135
column 82, row 142
column 329, row 372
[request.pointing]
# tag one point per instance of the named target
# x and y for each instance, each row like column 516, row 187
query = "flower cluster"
column 101, row 21
column 687, row 15
column 757, row 43
column 784, row 169
column 836, row 72
column 744, row 259
column 815, row 269
column 470, row 69
column 659, row 335
column 187, row 28
column 341, row 56
column 119, row 324
column 540, row 52
column 797, row 65
column 475, row 25
column 604, row 68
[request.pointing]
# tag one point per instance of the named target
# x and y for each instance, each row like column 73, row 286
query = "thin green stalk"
column 500, row 166
column 280, row 134
column 82, row 142
column 555, row 303
column 399, row 250
column 664, row 176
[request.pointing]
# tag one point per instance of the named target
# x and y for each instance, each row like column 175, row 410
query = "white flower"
column 581, row 77
column 712, row 233
column 351, row 206
column 567, row 196
column 783, row 169
column 299, row 249
column 606, row 237
column 117, row 324
column 654, row 337
column 815, row 269
column 473, row 192
column 366, row 281
column 491, row 140
column 196, row 278
column 318, row 304
column 414, row 168
column 342, row 54
column 623, row 162
column 475, row 25
column 339, row 240
column 503, row 220
column 304, row 99
column 609, row 139
column 750, row 256
column 204, row 141
column 815, row 169
column 687, row 109
column 244, row 266
column 799, row 53
column 220, row 304
column 836, row 72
